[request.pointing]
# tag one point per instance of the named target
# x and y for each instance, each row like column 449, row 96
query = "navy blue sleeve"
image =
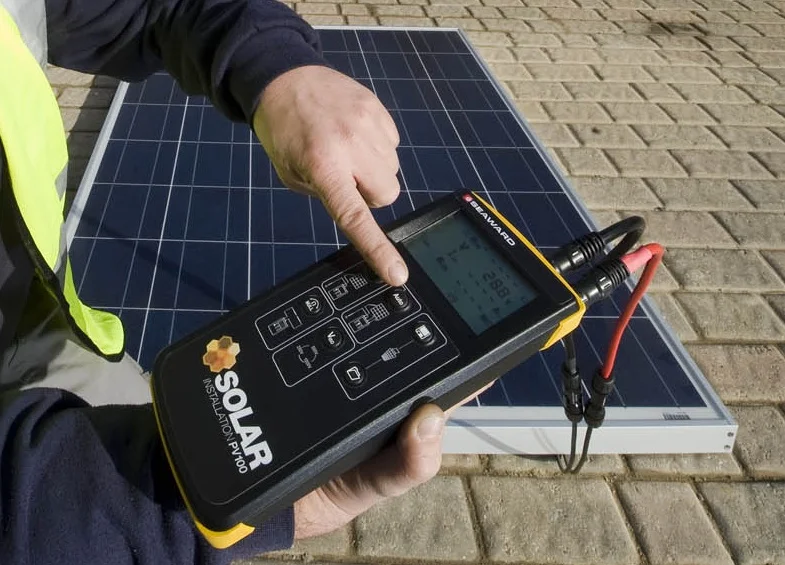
column 92, row 485
column 228, row 50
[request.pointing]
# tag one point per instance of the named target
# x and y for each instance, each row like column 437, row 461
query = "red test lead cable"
column 651, row 256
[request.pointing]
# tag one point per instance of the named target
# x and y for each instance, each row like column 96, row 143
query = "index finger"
column 351, row 213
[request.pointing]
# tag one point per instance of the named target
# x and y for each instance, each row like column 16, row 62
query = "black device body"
column 311, row 378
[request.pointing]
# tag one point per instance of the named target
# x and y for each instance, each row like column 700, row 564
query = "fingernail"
column 430, row 428
column 398, row 274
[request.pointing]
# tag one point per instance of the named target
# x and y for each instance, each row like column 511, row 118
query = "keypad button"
column 311, row 305
column 423, row 333
column 398, row 299
column 353, row 374
column 333, row 337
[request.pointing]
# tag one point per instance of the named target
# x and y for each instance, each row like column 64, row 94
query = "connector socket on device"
column 577, row 253
column 601, row 281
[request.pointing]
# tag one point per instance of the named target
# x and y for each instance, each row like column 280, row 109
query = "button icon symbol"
column 290, row 319
column 354, row 374
column 307, row 354
column 423, row 333
column 390, row 354
column 333, row 338
column 312, row 305
column 398, row 299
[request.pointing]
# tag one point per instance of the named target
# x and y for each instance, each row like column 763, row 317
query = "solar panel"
column 181, row 217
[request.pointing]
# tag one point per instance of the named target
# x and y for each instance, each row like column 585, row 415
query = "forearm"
column 93, row 484
column 228, row 50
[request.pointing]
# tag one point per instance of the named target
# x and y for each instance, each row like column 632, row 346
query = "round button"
column 398, row 299
column 333, row 337
column 423, row 333
column 312, row 305
column 354, row 374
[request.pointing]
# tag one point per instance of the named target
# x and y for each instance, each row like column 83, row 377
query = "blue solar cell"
column 231, row 230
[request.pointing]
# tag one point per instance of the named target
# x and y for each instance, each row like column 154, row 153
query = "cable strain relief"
column 602, row 281
column 600, row 389
column 578, row 253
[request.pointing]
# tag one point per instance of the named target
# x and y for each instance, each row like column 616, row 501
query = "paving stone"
column 577, row 112
column 615, row 193
column 760, row 444
column 551, row 72
column 730, row 30
column 623, row 15
column 584, row 161
column 777, row 302
column 555, row 135
column 572, row 14
column 477, row 12
column 88, row 119
column 577, row 26
column 721, row 164
column 522, row 13
column 625, row 41
column 749, row 138
column 548, row 466
column 684, row 229
column 81, row 144
column 631, row 56
column 335, row 543
column 750, row 17
column 636, row 113
column 744, row 76
column 741, row 317
column 525, row 520
column 622, row 73
column 476, row 25
column 496, row 54
column 628, row 4
column 671, row 524
column 319, row 20
column 715, row 17
column 682, row 74
column 750, row 517
column 361, row 21
column 461, row 462
column 731, row 59
column 678, row 137
column 536, row 40
column 674, row 57
column 59, row 76
column 693, row 465
column 545, row 26
column 354, row 9
column 76, row 169
column 80, row 97
column 674, row 316
column 766, row 58
column 721, row 43
column 759, row 230
column 532, row 111
column 317, row 8
column 761, row 43
column 722, row 270
column 743, row 373
column 430, row 522
column 528, row 90
column 577, row 41
column 602, row 92
column 688, row 114
column 498, row 38
column 603, row 218
column 766, row 94
column 657, row 92
column 774, row 162
column 678, row 42
column 770, row 30
column 509, row 71
column 396, row 10
column 777, row 260
column 607, row 136
column 698, row 194
column 645, row 163
column 529, row 54
column 765, row 195
column 713, row 94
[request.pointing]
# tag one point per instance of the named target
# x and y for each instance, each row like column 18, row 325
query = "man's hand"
column 330, row 137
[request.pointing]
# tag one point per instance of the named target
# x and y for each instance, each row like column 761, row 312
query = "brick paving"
column 672, row 109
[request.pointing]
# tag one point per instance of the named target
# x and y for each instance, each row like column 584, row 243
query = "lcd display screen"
column 473, row 276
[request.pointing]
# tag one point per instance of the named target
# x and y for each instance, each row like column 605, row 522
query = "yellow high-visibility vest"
column 33, row 140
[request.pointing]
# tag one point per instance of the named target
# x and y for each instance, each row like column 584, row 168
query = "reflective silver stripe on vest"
column 30, row 18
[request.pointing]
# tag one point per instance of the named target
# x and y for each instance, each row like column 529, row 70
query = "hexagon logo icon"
column 221, row 354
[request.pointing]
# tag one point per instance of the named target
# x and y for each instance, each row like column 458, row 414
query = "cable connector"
column 601, row 387
column 572, row 395
column 577, row 253
column 602, row 281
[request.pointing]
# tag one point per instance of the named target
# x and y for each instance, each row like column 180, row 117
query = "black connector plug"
column 572, row 395
column 600, row 389
column 602, row 281
column 577, row 253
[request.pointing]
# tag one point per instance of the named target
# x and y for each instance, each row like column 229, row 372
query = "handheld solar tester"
column 309, row 379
